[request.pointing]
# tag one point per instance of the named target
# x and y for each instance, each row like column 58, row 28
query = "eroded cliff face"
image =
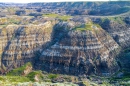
column 118, row 28
column 20, row 43
column 121, row 33
column 71, row 47
column 81, row 52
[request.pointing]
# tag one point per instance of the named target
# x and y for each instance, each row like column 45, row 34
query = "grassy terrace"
column 61, row 17
column 90, row 26
column 51, row 15
column 115, row 19
column 84, row 27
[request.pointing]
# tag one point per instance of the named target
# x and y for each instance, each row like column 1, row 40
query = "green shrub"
column 52, row 76
column 18, row 71
column 1, row 78
column 86, row 83
column 31, row 75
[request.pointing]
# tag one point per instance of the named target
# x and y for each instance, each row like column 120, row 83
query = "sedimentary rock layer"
column 82, row 52
column 19, row 43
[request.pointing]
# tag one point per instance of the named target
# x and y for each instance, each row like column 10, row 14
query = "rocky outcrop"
column 72, row 47
column 82, row 52
column 117, row 27
column 20, row 43
column 27, row 70
column 61, row 43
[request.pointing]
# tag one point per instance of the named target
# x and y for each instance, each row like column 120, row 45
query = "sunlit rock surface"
column 19, row 43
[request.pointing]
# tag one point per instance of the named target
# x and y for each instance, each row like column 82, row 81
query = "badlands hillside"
column 69, row 43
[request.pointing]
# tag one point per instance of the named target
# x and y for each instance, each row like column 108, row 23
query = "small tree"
column 20, row 12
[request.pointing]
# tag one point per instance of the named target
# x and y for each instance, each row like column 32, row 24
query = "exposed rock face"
column 119, row 30
column 27, row 33
column 20, row 43
column 27, row 70
column 120, row 33
column 62, row 48
column 82, row 52
column 36, row 78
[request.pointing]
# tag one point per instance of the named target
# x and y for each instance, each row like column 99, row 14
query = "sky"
column 27, row 1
